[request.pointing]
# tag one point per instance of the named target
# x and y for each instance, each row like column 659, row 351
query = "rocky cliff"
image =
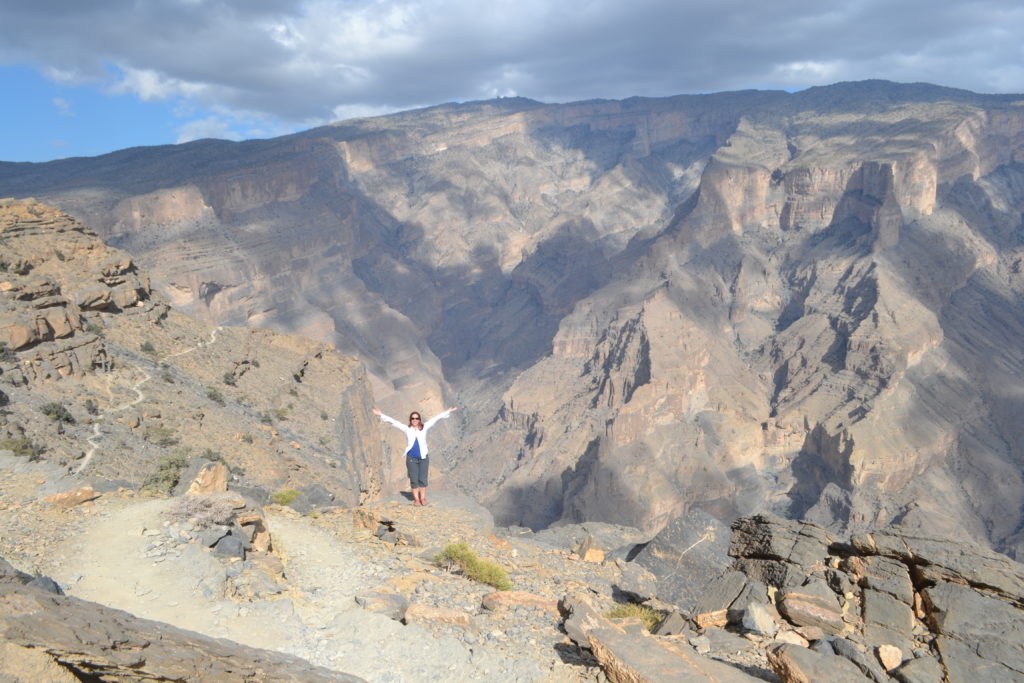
column 808, row 303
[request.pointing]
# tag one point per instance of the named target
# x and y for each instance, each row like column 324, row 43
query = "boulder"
column 795, row 664
column 312, row 497
column 579, row 617
column 920, row 670
column 685, row 557
column 712, row 608
column 889, row 656
column 211, row 478
column 230, row 546
column 393, row 605
column 673, row 625
column 758, row 618
column 813, row 604
column 69, row 499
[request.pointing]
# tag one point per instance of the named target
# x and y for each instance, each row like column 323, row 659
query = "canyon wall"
column 808, row 303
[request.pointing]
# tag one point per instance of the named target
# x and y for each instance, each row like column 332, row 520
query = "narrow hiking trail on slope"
column 97, row 434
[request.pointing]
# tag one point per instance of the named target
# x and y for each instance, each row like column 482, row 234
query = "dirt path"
column 121, row 558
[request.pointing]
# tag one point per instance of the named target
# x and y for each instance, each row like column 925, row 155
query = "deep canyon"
column 808, row 303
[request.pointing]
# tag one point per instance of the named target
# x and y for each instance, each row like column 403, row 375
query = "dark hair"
column 418, row 415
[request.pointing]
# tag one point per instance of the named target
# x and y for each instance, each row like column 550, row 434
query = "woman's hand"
column 376, row 410
column 452, row 410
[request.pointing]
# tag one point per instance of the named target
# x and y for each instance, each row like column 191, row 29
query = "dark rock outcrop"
column 881, row 606
column 93, row 642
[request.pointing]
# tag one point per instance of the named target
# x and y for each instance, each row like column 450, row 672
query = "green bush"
column 147, row 348
column 212, row 455
column 213, row 393
column 160, row 435
column 460, row 555
column 6, row 353
column 57, row 412
column 95, row 328
column 230, row 379
column 167, row 474
column 23, row 448
column 284, row 496
column 649, row 616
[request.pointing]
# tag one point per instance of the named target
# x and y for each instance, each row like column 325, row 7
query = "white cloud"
column 150, row 85
column 357, row 111
column 63, row 106
column 210, row 127
column 294, row 61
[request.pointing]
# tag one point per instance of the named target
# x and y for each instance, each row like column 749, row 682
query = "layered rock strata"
column 880, row 606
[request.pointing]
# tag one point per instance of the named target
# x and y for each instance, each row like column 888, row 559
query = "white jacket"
column 412, row 434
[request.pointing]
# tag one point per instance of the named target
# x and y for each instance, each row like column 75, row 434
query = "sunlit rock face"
column 809, row 303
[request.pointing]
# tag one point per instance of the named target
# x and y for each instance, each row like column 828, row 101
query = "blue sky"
column 87, row 77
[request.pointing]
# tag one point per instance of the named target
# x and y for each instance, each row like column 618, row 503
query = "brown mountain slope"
column 101, row 376
column 806, row 302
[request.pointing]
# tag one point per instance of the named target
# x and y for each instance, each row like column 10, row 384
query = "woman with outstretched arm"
column 416, row 452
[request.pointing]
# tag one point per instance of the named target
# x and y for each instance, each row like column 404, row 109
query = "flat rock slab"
column 107, row 642
column 795, row 664
column 988, row 627
column 686, row 556
column 635, row 657
column 939, row 560
column 505, row 599
column 813, row 604
column 712, row 608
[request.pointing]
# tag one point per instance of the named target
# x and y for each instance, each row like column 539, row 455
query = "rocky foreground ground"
column 159, row 587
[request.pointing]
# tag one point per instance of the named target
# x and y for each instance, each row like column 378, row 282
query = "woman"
column 416, row 452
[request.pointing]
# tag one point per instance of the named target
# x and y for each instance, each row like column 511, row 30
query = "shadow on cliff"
column 477, row 314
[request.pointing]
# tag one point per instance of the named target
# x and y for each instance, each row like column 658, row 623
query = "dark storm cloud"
column 316, row 60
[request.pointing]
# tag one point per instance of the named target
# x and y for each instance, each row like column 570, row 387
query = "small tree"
column 57, row 412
